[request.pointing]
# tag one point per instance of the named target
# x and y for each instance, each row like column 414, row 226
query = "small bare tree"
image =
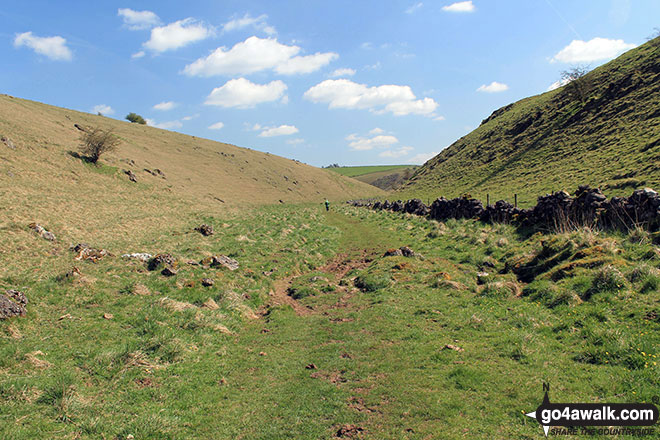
column 576, row 83
column 96, row 141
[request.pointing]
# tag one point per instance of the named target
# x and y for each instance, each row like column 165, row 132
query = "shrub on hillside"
column 96, row 141
column 136, row 119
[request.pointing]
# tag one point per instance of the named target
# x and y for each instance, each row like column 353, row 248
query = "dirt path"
column 353, row 256
column 336, row 269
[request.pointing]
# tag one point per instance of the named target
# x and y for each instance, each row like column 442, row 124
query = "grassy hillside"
column 386, row 177
column 369, row 169
column 608, row 138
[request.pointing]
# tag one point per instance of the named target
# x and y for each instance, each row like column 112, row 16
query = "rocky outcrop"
column 47, row 235
column 12, row 304
column 205, row 230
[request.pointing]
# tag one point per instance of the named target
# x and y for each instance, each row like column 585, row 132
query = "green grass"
column 554, row 141
column 371, row 357
column 358, row 171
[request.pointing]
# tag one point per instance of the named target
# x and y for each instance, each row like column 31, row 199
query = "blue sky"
column 348, row 82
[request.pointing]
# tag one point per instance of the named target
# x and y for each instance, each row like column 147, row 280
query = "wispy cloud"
column 105, row 110
column 466, row 6
column 258, row 23
column 596, row 49
column 54, row 48
column 258, row 54
column 494, row 87
column 395, row 99
column 342, row 72
column 282, row 130
column 414, row 8
column 242, row 93
column 138, row 20
column 164, row 106
column 178, row 34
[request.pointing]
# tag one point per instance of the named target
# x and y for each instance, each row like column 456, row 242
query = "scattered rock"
column 63, row 317
column 403, row 251
column 12, row 304
column 220, row 260
column 131, row 176
column 156, row 172
column 205, row 230
column 42, row 231
column 161, row 259
column 393, row 253
column 80, row 127
column 207, row 282
column 141, row 256
column 169, row 271
column 263, row 353
column 5, row 140
column 310, row 367
column 349, row 431
column 86, row 252
column 452, row 347
column 108, row 316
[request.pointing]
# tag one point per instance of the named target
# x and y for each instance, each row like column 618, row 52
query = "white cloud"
column 377, row 131
column 105, row 110
column 596, row 49
column 216, row 126
column 52, row 47
column 139, row 54
column 460, row 7
column 296, row 141
column 282, row 130
column 164, row 125
column 557, row 84
column 343, row 93
column 439, row 118
column 413, row 8
column 163, row 106
column 360, row 143
column 190, row 118
column 137, row 20
column 241, row 93
column 342, row 72
column 247, row 20
column 256, row 54
column 177, row 34
column 367, row 45
column 400, row 152
column 494, row 87
column 422, row 157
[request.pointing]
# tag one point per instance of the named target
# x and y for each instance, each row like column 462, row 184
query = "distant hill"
column 43, row 181
column 386, row 177
column 603, row 130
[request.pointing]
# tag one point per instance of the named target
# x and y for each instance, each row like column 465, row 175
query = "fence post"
column 515, row 200
column 487, row 199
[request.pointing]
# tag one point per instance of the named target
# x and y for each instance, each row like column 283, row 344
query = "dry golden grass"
column 44, row 183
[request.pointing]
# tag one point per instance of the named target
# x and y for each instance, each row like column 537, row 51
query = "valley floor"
column 319, row 335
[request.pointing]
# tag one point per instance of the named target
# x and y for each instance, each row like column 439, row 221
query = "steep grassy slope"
column 556, row 140
column 43, row 182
